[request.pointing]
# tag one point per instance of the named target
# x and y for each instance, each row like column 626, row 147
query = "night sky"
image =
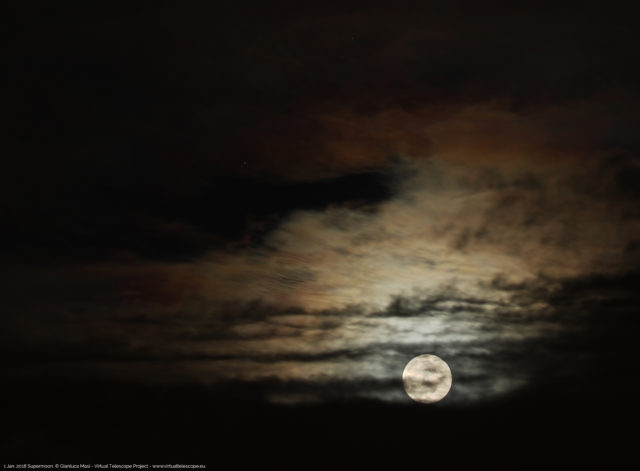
column 227, row 227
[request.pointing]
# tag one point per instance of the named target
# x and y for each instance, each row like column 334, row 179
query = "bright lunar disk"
column 427, row 378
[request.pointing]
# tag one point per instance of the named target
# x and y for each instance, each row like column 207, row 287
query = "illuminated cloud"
column 462, row 260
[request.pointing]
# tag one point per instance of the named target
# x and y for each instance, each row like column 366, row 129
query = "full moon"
column 427, row 378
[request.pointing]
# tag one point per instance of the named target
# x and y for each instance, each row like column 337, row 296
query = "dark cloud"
column 100, row 222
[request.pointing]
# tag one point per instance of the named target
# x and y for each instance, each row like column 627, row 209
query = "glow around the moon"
column 427, row 378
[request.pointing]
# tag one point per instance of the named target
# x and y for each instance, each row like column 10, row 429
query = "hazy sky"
column 300, row 201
